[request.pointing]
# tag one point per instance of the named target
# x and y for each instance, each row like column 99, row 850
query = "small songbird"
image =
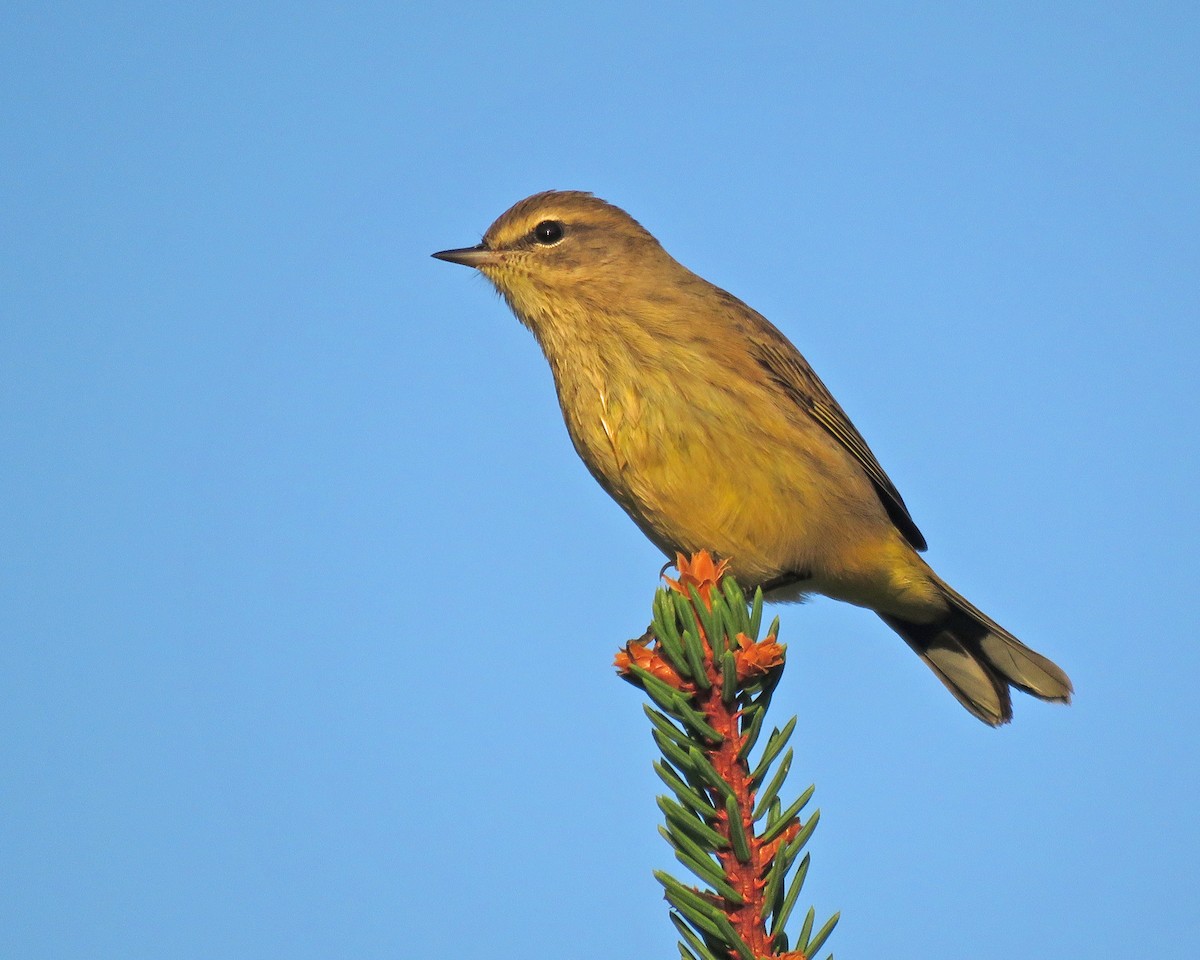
column 712, row 432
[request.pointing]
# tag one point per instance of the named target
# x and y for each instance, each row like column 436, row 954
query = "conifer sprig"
column 711, row 680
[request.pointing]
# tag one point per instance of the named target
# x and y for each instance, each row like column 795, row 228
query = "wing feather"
column 789, row 371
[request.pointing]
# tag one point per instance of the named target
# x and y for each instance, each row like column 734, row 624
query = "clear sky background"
column 307, row 607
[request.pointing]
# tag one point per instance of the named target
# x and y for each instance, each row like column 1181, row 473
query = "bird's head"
column 564, row 251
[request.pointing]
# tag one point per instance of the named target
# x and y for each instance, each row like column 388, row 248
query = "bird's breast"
column 685, row 460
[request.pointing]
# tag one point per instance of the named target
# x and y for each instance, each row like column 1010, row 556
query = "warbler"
column 711, row 430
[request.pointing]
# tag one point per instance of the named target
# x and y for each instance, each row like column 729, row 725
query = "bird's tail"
column 978, row 660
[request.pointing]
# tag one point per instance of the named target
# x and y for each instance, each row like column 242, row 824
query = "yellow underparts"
column 776, row 502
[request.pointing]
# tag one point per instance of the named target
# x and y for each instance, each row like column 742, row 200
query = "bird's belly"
column 775, row 503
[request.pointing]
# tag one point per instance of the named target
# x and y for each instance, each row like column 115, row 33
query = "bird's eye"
column 548, row 232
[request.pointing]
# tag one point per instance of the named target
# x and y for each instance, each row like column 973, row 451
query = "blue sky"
column 307, row 607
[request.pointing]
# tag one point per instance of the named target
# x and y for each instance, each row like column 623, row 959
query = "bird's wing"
column 789, row 371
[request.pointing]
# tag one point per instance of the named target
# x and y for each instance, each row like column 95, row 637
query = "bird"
column 711, row 430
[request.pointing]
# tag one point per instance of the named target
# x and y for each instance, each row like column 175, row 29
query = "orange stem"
column 746, row 878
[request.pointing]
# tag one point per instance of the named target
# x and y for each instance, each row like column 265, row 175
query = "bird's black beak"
column 477, row 256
